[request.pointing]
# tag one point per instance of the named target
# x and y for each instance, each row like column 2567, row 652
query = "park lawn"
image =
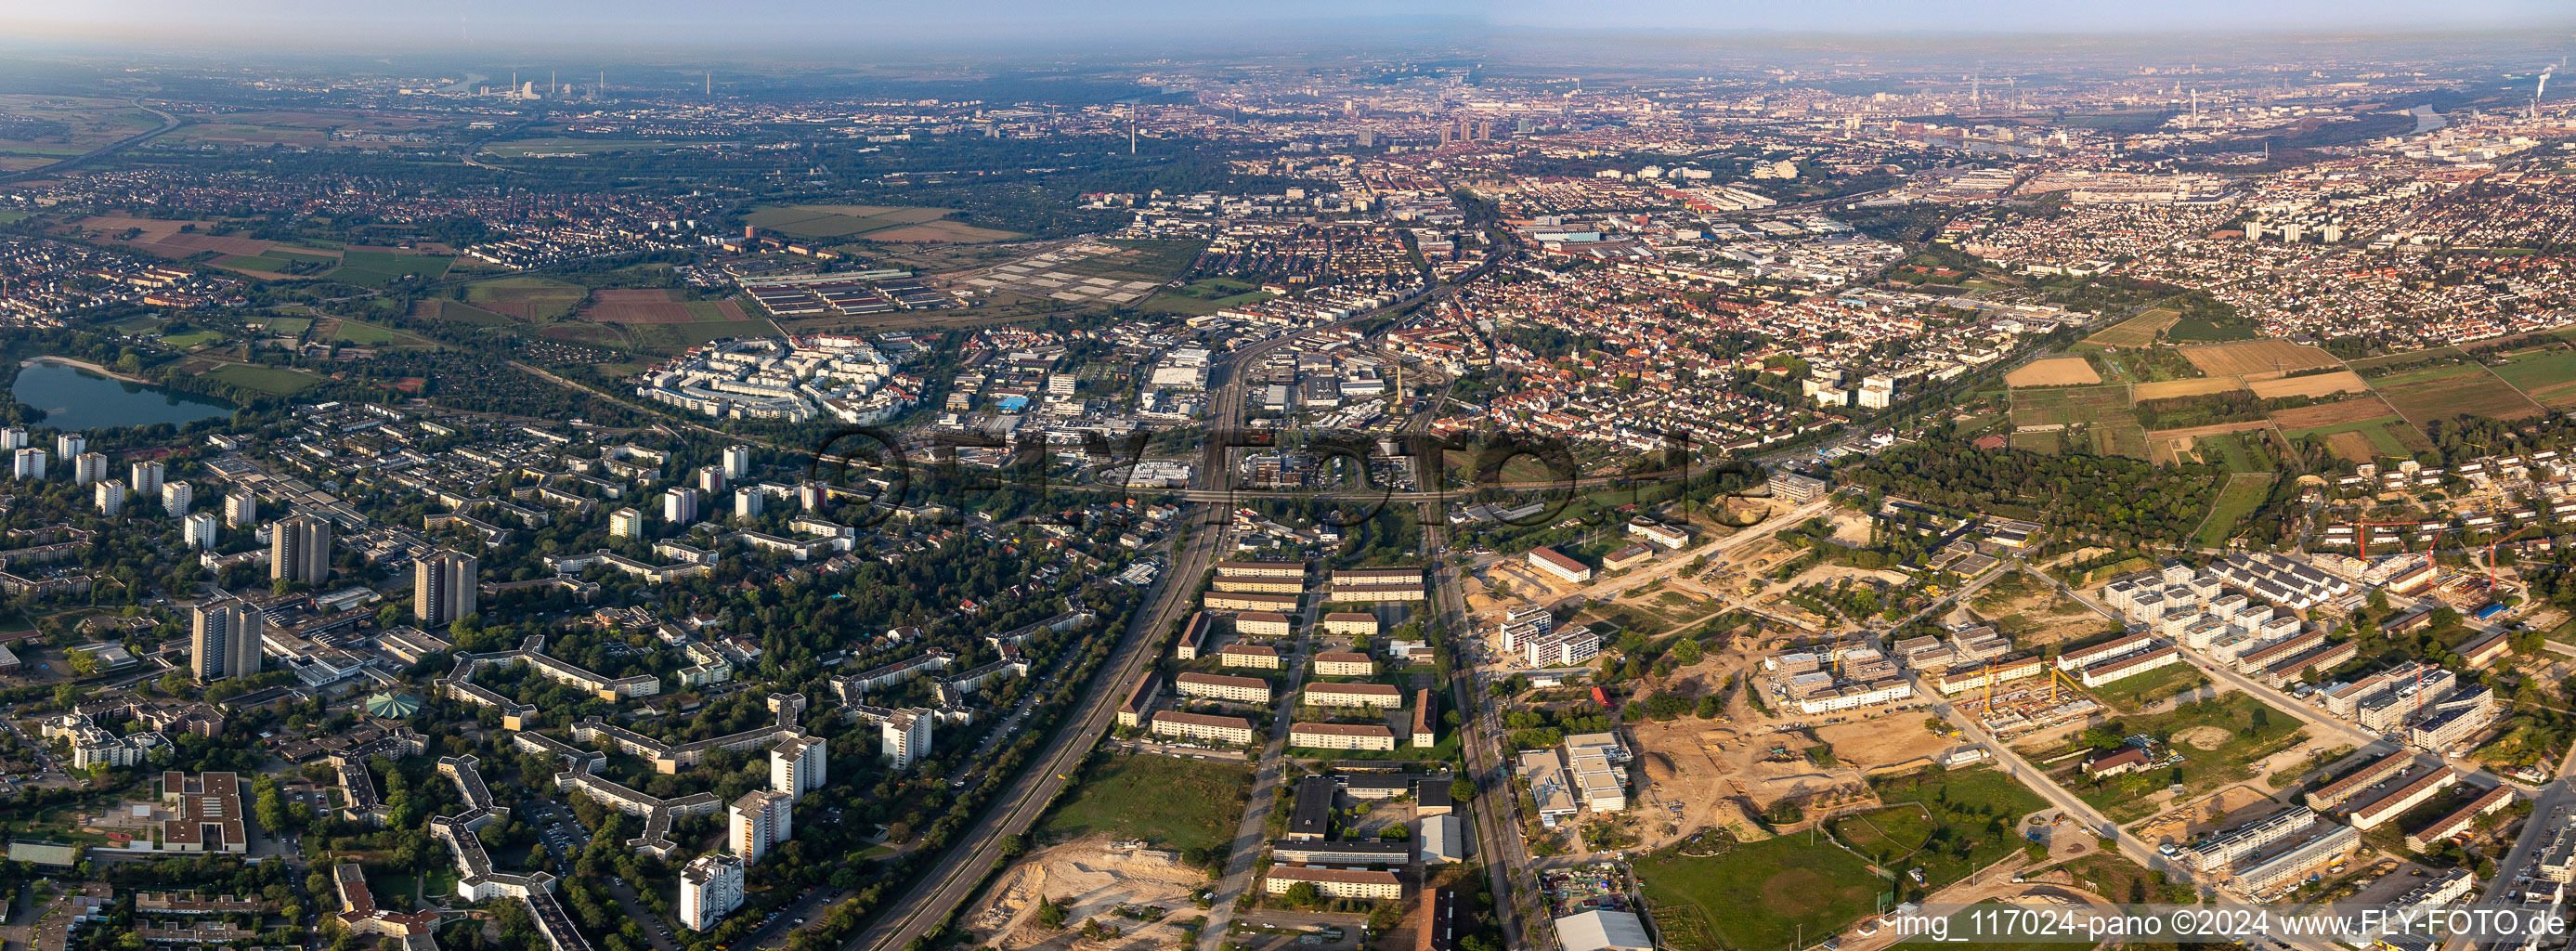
column 2239, row 731
column 1760, row 895
column 263, row 379
column 2243, row 494
column 1169, row 802
column 2138, row 690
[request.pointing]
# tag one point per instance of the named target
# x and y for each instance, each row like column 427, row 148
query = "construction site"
column 1141, row 892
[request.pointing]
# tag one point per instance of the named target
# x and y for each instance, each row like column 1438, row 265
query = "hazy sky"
column 371, row 25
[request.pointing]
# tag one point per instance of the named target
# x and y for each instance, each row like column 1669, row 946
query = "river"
column 74, row 398
column 2427, row 120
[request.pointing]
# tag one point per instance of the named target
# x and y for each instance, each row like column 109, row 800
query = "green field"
column 838, row 221
column 684, row 336
column 1204, row 297
column 2049, row 443
column 2474, row 392
column 2236, row 451
column 527, row 298
column 365, row 335
column 276, row 260
column 2139, row 690
column 523, row 148
column 2548, row 376
column 2202, row 331
column 2423, row 375
column 379, row 268
column 1169, row 802
column 12, row 217
column 2244, row 493
column 2219, row 739
column 283, row 325
column 2387, row 434
column 1758, row 895
column 1959, row 821
column 182, row 341
column 263, row 379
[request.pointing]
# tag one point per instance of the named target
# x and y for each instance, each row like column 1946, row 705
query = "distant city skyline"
column 803, row 23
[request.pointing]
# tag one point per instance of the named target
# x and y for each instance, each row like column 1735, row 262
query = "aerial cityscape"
column 1432, row 476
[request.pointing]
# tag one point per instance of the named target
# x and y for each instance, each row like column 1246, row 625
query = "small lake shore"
column 82, row 365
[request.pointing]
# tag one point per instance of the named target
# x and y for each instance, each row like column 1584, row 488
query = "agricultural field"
column 181, row 239
column 1170, row 802
column 379, row 268
column 530, row 299
column 49, row 129
column 264, row 379
column 2074, row 405
column 2243, row 494
column 2196, row 331
column 2049, row 443
column 2331, row 414
column 2220, row 738
column 2169, row 389
column 564, row 148
column 2548, row 377
column 2318, row 384
column 282, row 325
column 2267, row 357
column 310, row 128
column 897, row 223
column 2473, row 392
column 2367, row 440
column 1757, row 895
column 2054, row 371
column 459, row 312
column 2138, row 331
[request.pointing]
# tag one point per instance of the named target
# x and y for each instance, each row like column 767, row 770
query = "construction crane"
column 2361, row 537
column 2491, row 562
